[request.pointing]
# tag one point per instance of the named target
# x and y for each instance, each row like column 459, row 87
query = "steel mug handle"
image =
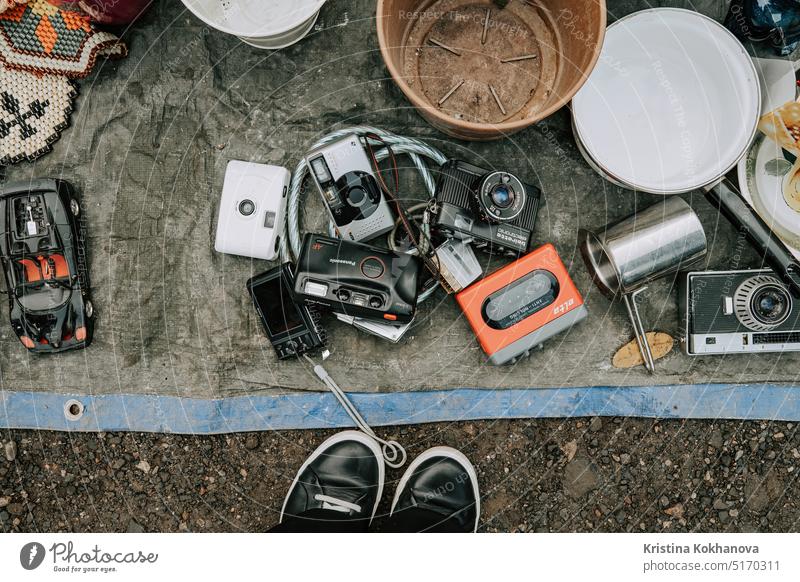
column 638, row 328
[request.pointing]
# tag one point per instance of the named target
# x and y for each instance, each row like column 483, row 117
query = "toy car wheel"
column 74, row 207
column 89, row 309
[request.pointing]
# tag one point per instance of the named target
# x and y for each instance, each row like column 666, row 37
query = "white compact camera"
column 351, row 193
column 252, row 210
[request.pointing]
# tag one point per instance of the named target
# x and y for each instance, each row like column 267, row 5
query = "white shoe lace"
column 334, row 504
column 393, row 453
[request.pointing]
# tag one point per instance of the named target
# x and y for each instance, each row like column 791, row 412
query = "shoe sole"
column 449, row 453
column 347, row 435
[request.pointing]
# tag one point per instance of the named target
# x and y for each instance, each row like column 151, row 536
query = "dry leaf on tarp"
column 628, row 355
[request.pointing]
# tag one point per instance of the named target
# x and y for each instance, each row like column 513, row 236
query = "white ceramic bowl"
column 267, row 24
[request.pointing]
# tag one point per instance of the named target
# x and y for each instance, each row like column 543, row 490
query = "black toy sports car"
column 43, row 250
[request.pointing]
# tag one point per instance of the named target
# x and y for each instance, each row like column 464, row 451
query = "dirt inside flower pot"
column 481, row 63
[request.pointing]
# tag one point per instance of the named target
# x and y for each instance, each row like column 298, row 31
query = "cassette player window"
column 277, row 306
column 522, row 298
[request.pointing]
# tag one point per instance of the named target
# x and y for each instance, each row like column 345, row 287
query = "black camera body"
column 292, row 328
column 357, row 279
column 727, row 312
column 495, row 209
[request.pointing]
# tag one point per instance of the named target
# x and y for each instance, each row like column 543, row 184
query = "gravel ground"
column 608, row 475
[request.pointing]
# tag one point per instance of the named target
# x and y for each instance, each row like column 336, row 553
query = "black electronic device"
column 293, row 328
column 494, row 209
column 357, row 279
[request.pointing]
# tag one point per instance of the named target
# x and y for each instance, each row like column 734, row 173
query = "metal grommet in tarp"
column 73, row 410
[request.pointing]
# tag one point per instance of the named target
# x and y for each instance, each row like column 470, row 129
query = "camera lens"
column 770, row 305
column 247, row 207
column 762, row 303
column 502, row 196
column 356, row 196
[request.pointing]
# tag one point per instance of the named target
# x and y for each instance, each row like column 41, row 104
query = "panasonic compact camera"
column 343, row 174
column 357, row 279
column 493, row 209
column 725, row 312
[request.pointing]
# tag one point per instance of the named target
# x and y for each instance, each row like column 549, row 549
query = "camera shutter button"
column 372, row 267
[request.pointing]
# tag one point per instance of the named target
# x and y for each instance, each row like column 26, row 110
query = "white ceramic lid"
column 254, row 18
column 672, row 104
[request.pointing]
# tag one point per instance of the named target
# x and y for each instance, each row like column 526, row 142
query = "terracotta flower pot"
column 480, row 72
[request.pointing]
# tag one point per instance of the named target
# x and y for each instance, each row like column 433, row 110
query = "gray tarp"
column 148, row 148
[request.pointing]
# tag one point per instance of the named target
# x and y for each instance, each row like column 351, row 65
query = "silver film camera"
column 343, row 174
column 726, row 312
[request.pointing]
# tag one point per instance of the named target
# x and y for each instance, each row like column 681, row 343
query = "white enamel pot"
column 266, row 24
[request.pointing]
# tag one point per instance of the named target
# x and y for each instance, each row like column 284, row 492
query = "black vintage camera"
column 357, row 279
column 292, row 328
column 494, row 208
column 727, row 312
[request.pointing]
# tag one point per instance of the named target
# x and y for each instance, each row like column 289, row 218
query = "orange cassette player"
column 523, row 304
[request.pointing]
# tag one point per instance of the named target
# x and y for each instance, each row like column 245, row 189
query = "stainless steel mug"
column 645, row 246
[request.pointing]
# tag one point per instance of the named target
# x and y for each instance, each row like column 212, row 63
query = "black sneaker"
column 344, row 475
column 440, row 490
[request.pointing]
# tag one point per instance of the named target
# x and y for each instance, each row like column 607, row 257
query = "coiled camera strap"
column 414, row 148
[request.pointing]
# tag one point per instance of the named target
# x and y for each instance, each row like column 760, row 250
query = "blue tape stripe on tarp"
column 314, row 410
